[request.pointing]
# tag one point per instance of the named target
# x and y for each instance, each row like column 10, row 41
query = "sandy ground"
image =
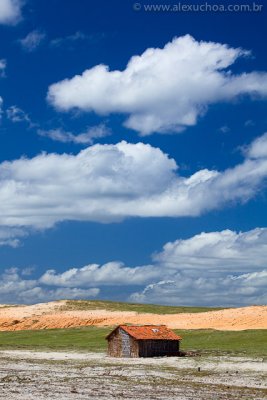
column 50, row 315
column 28, row 375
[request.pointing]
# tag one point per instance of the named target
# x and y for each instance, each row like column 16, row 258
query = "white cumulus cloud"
column 258, row 149
column 217, row 250
column 10, row 11
column 112, row 273
column 217, row 268
column 15, row 289
column 224, row 268
column 226, row 291
column 106, row 183
column 163, row 90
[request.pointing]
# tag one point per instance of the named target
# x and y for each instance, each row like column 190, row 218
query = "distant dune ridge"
column 69, row 314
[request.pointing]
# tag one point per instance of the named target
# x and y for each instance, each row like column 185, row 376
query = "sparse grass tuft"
column 140, row 308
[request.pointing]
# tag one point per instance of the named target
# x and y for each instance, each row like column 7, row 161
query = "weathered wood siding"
column 158, row 348
column 114, row 344
column 120, row 344
column 134, row 348
column 125, row 344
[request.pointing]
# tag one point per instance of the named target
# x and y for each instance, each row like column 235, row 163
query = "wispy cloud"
column 16, row 114
column 77, row 36
column 70, row 40
column 87, row 137
column 224, row 129
column 1, row 107
column 3, row 65
column 249, row 122
column 11, row 236
column 32, row 40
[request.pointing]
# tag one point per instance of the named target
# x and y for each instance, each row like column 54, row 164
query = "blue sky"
column 140, row 184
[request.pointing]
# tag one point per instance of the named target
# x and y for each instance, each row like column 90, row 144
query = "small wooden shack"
column 143, row 341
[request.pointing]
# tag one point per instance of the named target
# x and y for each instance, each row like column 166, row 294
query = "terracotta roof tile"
column 159, row 332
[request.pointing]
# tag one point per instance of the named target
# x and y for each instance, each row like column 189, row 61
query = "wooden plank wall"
column 158, row 348
column 120, row 344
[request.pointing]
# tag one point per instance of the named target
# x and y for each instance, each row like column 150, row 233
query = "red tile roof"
column 159, row 332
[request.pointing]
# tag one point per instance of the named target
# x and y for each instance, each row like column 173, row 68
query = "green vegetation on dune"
column 140, row 308
column 250, row 342
column 87, row 338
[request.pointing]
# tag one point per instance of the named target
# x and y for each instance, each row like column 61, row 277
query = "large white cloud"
column 258, row 149
column 10, row 11
column 217, row 268
column 101, row 183
column 15, row 289
column 163, row 90
column 226, row 250
column 226, row 291
column 108, row 183
column 112, row 273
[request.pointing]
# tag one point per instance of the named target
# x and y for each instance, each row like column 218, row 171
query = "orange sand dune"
column 50, row 315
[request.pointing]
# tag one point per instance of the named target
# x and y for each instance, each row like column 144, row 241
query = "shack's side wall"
column 120, row 344
column 134, row 348
column 114, row 344
column 158, row 348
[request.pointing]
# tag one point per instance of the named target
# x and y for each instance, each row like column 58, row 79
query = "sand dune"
column 50, row 315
